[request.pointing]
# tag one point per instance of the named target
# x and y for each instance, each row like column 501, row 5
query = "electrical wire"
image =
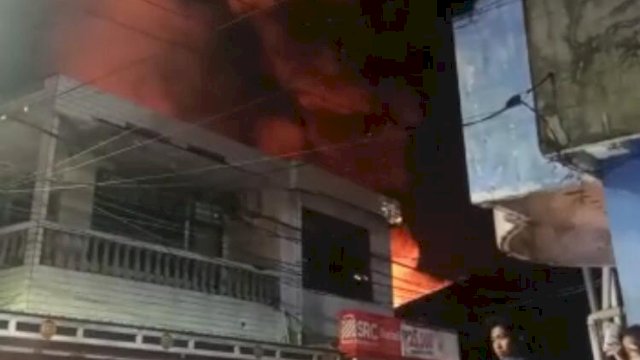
column 128, row 65
column 273, row 234
column 467, row 20
column 512, row 102
column 188, row 126
column 200, row 170
column 367, row 139
column 491, row 116
column 167, row 9
column 517, row 100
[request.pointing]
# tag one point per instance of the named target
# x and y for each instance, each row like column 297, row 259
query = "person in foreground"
column 505, row 341
column 629, row 346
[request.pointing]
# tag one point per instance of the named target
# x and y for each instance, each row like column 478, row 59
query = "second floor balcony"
column 87, row 274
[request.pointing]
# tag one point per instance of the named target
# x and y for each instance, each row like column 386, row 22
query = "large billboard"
column 371, row 336
column 586, row 57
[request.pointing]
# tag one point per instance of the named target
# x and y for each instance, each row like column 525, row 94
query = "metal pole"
column 590, row 288
column 615, row 296
column 592, row 325
column 41, row 190
column 606, row 288
column 594, row 341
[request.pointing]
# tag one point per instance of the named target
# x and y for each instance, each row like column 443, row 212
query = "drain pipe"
column 592, row 325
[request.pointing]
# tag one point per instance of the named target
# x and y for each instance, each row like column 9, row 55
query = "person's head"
column 503, row 338
column 631, row 342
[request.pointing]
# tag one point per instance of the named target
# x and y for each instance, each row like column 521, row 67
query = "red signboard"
column 364, row 335
column 369, row 336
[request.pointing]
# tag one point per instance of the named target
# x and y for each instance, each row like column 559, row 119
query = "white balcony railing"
column 105, row 254
column 13, row 240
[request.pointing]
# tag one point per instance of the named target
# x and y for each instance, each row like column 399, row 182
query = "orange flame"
column 408, row 282
column 138, row 51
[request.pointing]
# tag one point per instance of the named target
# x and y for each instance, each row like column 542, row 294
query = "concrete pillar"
column 42, row 192
column 621, row 180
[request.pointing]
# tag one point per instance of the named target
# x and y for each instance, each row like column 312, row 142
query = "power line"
column 494, row 6
column 512, row 102
column 277, row 234
column 158, row 138
column 200, row 170
column 129, row 221
column 167, row 9
column 486, row 118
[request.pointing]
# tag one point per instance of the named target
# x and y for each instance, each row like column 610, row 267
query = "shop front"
column 367, row 336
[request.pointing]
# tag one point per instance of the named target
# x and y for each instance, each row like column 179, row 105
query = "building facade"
column 125, row 228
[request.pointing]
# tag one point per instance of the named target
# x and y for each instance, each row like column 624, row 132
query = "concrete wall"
column 13, row 288
column 503, row 156
column 593, row 49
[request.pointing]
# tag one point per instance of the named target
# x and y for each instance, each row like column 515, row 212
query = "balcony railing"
column 105, row 254
column 13, row 240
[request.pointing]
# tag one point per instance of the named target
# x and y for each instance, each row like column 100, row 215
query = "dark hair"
column 632, row 331
column 502, row 322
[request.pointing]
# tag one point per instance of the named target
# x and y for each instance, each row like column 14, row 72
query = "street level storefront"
column 36, row 337
column 371, row 337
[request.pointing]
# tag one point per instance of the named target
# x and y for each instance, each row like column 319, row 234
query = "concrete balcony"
column 88, row 275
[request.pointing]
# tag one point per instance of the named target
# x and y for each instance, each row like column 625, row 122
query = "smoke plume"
column 189, row 59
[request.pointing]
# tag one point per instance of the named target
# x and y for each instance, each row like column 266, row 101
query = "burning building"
column 125, row 229
column 295, row 83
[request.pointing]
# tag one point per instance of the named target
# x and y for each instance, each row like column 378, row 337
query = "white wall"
column 75, row 206
column 79, row 295
column 13, row 285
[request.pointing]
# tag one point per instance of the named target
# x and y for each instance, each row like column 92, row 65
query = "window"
column 336, row 256
column 16, row 208
column 173, row 217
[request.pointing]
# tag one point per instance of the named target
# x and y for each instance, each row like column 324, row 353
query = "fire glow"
column 408, row 282
column 154, row 53
column 159, row 54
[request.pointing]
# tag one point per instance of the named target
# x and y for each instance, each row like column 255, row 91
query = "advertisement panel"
column 369, row 336
column 427, row 344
